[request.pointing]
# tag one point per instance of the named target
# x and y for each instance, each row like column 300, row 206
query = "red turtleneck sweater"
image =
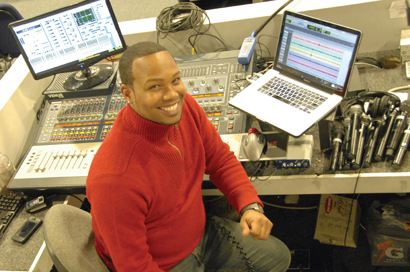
column 144, row 187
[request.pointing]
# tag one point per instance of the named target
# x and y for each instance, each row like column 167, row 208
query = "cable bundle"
column 179, row 17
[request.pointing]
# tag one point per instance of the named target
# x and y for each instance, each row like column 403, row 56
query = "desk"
column 33, row 255
column 379, row 178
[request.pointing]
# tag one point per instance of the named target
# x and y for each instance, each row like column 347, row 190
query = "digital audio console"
column 213, row 79
column 73, row 127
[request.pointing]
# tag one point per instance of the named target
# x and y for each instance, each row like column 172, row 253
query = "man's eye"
column 154, row 86
column 176, row 79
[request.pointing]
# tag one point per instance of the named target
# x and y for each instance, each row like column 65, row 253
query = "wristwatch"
column 254, row 206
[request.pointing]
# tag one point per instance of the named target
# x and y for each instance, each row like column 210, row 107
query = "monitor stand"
column 56, row 89
column 89, row 77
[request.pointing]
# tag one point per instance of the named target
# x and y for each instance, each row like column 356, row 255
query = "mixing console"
column 63, row 167
column 213, row 79
column 72, row 129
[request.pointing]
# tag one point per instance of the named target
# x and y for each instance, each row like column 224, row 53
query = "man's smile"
column 170, row 108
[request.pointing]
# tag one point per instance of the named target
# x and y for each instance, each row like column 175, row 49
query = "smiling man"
column 145, row 181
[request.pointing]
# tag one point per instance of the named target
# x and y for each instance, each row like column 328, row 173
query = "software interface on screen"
column 321, row 51
column 68, row 36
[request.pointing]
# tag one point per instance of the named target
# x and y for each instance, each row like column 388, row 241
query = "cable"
column 352, row 202
column 88, row 207
column 369, row 61
column 399, row 89
column 181, row 16
column 204, row 34
column 271, row 17
column 261, row 44
column 289, row 208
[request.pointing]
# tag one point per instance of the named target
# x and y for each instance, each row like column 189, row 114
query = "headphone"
column 379, row 102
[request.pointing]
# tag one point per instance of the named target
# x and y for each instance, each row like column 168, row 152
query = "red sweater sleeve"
column 224, row 169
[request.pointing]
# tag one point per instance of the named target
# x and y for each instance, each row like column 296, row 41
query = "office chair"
column 8, row 47
column 69, row 239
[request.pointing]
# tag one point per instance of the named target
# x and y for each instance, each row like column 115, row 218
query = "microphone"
column 398, row 159
column 365, row 122
column 374, row 131
column 338, row 134
column 343, row 162
column 398, row 129
column 386, row 132
column 355, row 113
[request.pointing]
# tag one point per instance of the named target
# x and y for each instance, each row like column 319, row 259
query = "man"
column 144, row 184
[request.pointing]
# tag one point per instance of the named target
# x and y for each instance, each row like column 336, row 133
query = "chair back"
column 69, row 239
column 8, row 45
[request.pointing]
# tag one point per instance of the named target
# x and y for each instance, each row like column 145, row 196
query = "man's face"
column 157, row 93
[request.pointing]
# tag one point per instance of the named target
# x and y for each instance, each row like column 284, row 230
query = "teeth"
column 172, row 108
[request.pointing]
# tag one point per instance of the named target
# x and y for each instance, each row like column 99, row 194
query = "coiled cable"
column 181, row 16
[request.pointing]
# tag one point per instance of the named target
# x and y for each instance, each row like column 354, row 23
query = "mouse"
column 254, row 144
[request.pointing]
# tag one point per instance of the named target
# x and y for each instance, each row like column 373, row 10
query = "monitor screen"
column 69, row 39
column 317, row 51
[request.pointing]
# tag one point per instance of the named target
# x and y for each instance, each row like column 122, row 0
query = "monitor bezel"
column 75, row 65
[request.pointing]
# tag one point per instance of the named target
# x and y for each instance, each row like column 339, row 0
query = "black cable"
column 369, row 61
column 88, row 207
column 204, row 34
column 181, row 16
column 259, row 43
column 82, row 201
column 352, row 202
column 40, row 110
column 271, row 17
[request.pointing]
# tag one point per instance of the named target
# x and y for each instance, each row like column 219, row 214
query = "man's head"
column 152, row 83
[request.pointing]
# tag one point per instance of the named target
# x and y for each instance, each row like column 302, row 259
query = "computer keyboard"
column 9, row 206
column 292, row 94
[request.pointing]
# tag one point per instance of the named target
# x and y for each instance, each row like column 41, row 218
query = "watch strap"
column 254, row 206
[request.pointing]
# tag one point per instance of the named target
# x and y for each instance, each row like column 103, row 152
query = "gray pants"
column 223, row 248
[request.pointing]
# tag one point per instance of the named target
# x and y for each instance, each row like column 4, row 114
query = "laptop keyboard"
column 295, row 96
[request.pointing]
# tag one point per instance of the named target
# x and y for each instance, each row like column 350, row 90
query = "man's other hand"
column 256, row 224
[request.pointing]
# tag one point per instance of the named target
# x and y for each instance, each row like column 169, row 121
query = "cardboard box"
column 405, row 46
column 333, row 220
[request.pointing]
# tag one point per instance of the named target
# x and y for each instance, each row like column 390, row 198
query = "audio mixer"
column 72, row 128
column 213, row 79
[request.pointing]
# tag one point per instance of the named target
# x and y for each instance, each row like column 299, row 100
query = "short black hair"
column 134, row 52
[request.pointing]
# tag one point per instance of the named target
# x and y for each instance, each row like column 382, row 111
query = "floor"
column 296, row 228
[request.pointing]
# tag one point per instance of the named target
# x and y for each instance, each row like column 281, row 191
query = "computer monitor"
column 72, row 38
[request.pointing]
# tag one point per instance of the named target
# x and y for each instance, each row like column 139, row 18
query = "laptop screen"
column 318, row 52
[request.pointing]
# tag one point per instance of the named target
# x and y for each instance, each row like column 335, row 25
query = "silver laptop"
column 312, row 68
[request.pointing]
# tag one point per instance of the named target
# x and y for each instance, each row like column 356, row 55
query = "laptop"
column 312, row 68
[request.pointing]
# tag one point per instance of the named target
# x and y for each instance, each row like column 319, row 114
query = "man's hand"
column 256, row 224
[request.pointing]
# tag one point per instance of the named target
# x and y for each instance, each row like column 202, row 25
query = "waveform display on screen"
column 315, row 57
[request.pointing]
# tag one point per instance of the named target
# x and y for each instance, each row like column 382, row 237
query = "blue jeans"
column 224, row 249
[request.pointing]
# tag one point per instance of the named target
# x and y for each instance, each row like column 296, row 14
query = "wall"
column 233, row 24
column 20, row 98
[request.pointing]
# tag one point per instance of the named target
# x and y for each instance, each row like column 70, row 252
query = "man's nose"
column 170, row 93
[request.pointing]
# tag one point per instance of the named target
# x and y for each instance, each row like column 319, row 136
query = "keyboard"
column 292, row 94
column 9, row 206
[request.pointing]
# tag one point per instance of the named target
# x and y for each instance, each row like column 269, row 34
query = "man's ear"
column 126, row 91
